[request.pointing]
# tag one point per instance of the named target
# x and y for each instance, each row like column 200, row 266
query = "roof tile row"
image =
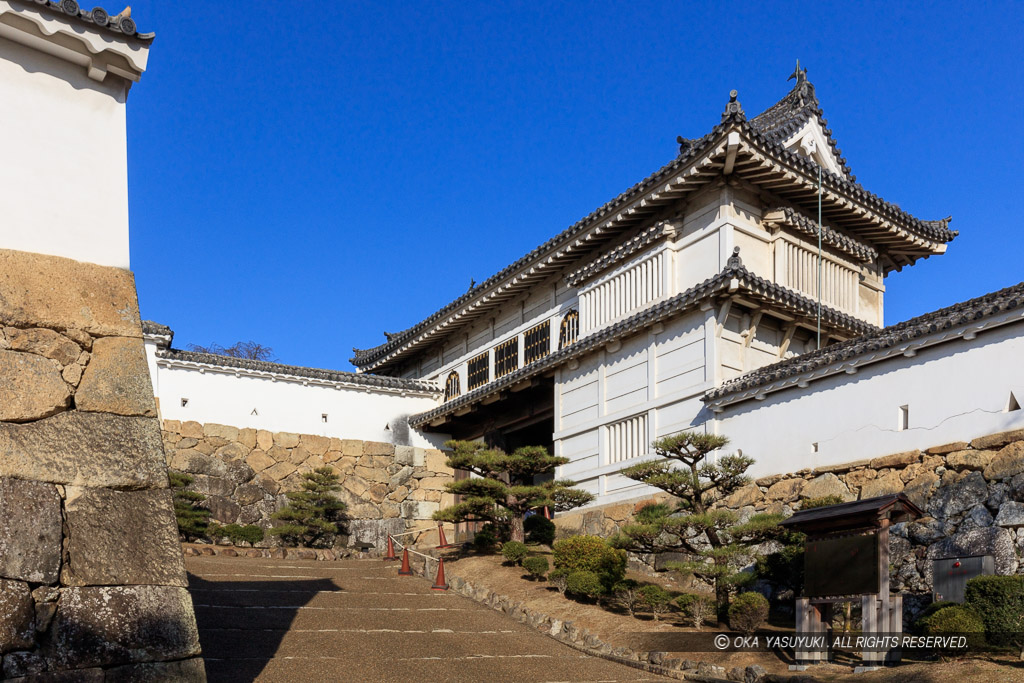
column 964, row 313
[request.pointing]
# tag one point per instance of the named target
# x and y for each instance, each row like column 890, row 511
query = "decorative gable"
column 811, row 142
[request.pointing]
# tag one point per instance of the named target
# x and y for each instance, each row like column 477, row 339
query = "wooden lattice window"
column 506, row 357
column 569, row 331
column 537, row 342
column 477, row 372
column 451, row 386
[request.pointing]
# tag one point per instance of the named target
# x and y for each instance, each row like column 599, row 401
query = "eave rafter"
column 734, row 284
column 689, row 176
column 899, row 237
column 781, row 174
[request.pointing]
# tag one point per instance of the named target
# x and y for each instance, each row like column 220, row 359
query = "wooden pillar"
column 810, row 622
column 869, row 627
column 882, row 618
column 894, row 655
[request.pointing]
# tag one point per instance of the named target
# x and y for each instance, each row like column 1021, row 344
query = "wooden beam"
column 787, row 337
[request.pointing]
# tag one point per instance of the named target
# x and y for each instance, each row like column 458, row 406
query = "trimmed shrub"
column 627, row 594
column 584, row 584
column 930, row 610
column 193, row 521
column 312, row 514
column 559, row 578
column 697, row 607
column 999, row 601
column 537, row 566
column 514, row 552
column 748, row 612
column 954, row 618
column 591, row 554
column 237, row 533
column 484, row 540
column 656, row 599
column 539, row 529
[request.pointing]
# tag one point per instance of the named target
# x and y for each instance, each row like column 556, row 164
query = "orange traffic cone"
column 547, row 515
column 391, row 550
column 405, row 570
column 439, row 583
column 442, row 542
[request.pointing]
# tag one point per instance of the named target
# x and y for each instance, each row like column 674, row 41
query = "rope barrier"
column 439, row 582
column 417, row 531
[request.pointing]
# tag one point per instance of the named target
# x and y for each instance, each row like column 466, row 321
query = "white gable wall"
column 953, row 391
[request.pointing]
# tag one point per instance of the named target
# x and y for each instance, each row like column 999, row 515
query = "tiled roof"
column 780, row 121
column 735, row 273
column 937, row 231
column 395, row 341
column 163, row 335
column 154, row 328
column 120, row 24
column 974, row 310
column 647, row 237
column 379, row 381
column 766, row 129
column 833, row 238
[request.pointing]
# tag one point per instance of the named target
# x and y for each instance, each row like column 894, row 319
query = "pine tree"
column 192, row 519
column 311, row 518
column 503, row 490
column 719, row 545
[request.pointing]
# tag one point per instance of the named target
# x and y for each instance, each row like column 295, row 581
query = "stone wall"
column 972, row 495
column 92, row 579
column 245, row 474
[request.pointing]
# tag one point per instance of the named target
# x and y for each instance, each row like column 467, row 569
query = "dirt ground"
column 617, row 628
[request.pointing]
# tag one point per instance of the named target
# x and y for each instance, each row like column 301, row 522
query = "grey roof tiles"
column 769, row 129
column 746, row 282
column 973, row 310
column 120, row 24
column 363, row 379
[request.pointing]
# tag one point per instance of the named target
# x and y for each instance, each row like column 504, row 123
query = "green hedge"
column 539, row 529
column 537, row 566
column 514, row 552
column 999, row 602
column 748, row 612
column 584, row 584
column 591, row 554
column 956, row 619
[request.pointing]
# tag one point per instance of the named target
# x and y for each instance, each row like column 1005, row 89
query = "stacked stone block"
column 92, row 581
column 245, row 474
column 972, row 495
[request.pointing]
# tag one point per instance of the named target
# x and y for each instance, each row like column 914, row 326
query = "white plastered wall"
column 286, row 404
column 658, row 376
column 66, row 192
column 954, row 391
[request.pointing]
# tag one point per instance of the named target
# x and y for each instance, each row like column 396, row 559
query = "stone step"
column 385, row 618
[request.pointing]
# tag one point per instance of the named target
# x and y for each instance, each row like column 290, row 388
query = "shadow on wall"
column 242, row 623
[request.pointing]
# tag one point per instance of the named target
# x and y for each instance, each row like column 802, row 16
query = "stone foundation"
column 92, row 582
column 245, row 473
column 972, row 495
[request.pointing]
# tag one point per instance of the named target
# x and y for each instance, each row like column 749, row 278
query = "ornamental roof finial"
column 799, row 74
column 803, row 87
column 734, row 108
column 734, row 261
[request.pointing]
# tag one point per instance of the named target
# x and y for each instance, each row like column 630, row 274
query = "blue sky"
column 308, row 175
